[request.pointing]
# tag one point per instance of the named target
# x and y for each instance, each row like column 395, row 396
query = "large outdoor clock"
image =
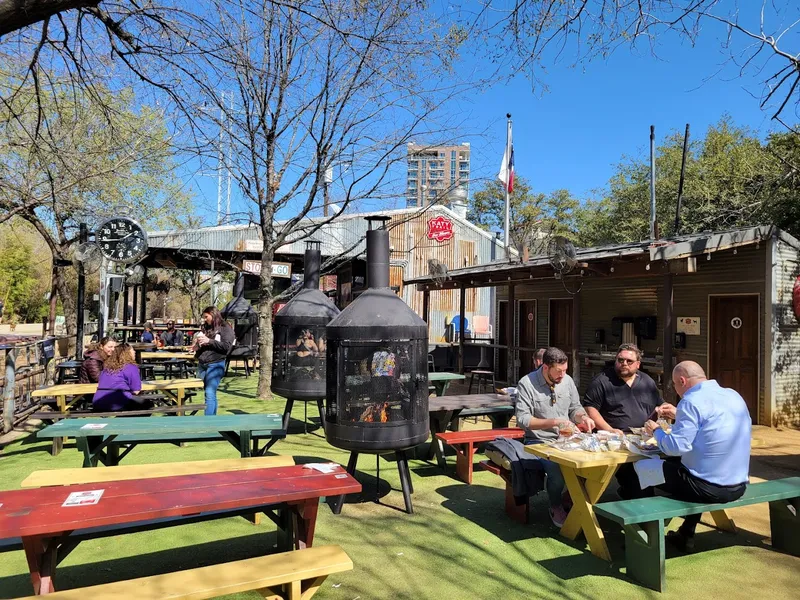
column 121, row 239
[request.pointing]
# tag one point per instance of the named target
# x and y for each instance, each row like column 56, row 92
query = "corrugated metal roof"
column 342, row 236
column 664, row 249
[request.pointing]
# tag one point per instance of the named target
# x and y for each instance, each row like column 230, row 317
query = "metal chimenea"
column 245, row 325
column 377, row 381
column 298, row 359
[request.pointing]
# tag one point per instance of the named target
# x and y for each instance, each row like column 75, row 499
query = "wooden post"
column 125, row 301
column 510, row 358
column 426, row 305
column 576, row 339
column 462, row 307
column 8, row 392
column 666, row 343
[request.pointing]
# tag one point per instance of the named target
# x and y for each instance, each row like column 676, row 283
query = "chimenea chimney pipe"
column 311, row 265
column 377, row 252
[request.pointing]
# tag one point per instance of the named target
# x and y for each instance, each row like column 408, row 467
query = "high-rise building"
column 435, row 171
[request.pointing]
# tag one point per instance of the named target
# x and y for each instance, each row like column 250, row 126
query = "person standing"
column 711, row 435
column 212, row 346
column 94, row 360
column 547, row 399
column 621, row 397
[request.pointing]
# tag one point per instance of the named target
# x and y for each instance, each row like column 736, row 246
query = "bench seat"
column 464, row 444
column 291, row 575
column 644, row 521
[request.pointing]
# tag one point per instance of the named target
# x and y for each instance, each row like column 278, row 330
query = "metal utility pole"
column 652, row 182
column 680, row 182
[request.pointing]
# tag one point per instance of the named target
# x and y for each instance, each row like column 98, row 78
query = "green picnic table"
column 442, row 380
column 101, row 439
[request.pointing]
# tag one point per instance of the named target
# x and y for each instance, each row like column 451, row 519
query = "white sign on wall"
column 278, row 269
column 689, row 325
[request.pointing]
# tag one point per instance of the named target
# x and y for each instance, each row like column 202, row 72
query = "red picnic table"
column 289, row 496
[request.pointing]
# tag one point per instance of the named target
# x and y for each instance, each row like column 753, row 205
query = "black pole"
column 377, row 252
column 680, row 183
column 143, row 314
column 311, row 265
column 126, row 314
column 83, row 237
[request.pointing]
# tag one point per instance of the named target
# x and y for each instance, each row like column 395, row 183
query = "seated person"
column 711, row 435
column 621, row 397
column 546, row 399
column 119, row 382
column 171, row 337
column 538, row 357
column 94, row 358
column 148, row 337
column 306, row 346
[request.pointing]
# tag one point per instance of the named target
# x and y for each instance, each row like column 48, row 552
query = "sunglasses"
column 626, row 361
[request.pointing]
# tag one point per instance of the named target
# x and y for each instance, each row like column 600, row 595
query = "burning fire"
column 376, row 413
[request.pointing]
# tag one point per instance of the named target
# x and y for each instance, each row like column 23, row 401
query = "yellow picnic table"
column 176, row 388
column 587, row 475
column 162, row 355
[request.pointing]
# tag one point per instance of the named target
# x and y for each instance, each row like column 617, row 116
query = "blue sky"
column 572, row 135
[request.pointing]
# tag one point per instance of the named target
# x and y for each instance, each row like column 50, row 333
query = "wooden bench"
column 645, row 519
column 520, row 513
column 295, row 575
column 53, row 477
column 464, row 444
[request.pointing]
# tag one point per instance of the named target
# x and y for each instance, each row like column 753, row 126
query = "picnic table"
column 441, row 380
column 100, row 440
column 166, row 355
column 50, row 527
column 587, row 475
column 175, row 388
column 444, row 409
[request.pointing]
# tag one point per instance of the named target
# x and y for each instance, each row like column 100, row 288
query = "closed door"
column 561, row 326
column 733, row 341
column 527, row 335
column 502, row 339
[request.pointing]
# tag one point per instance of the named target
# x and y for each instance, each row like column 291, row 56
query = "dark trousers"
column 628, row 481
column 681, row 484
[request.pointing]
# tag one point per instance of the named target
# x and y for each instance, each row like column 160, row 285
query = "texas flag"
column 506, row 174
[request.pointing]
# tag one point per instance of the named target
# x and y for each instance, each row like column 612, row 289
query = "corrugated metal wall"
column 786, row 341
column 603, row 299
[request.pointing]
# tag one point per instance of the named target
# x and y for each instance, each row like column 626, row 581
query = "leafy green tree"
column 732, row 179
column 21, row 289
column 533, row 216
column 92, row 159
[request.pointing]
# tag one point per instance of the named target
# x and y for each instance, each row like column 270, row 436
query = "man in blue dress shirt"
column 711, row 435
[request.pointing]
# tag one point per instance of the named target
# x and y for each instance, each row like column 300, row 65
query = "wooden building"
column 416, row 235
column 723, row 299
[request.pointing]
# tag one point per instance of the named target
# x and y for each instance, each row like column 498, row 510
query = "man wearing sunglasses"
column 547, row 400
column 621, row 397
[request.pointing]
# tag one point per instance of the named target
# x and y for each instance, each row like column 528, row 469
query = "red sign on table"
column 440, row 229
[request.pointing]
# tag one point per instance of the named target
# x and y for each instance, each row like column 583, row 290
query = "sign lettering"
column 278, row 269
column 440, row 229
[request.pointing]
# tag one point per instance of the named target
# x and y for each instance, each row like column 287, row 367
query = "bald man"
column 711, row 435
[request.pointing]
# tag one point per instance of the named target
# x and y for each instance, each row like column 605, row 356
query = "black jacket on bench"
column 527, row 474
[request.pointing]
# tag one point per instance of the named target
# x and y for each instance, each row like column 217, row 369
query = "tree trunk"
column 265, row 337
column 68, row 302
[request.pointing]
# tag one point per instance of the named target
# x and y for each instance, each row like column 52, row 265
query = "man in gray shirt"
column 546, row 400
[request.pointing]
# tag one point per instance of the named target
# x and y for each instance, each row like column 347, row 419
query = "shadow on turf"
column 154, row 563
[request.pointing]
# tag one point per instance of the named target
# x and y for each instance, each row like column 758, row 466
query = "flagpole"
column 508, row 200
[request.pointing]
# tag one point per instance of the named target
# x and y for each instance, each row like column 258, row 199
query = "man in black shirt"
column 620, row 398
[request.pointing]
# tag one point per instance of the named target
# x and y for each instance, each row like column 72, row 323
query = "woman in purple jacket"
column 119, row 382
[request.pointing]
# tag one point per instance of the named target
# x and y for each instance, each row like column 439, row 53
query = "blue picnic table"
column 101, row 439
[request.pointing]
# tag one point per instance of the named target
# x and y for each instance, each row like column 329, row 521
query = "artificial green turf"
column 459, row 544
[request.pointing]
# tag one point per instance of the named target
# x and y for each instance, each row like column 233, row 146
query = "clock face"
column 121, row 239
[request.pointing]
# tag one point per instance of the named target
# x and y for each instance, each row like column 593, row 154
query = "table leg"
column 304, row 521
column 441, row 387
column 41, row 554
column 439, row 421
column 464, row 456
column 723, row 521
column 244, row 443
column 585, row 488
column 645, row 554
column 180, row 396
